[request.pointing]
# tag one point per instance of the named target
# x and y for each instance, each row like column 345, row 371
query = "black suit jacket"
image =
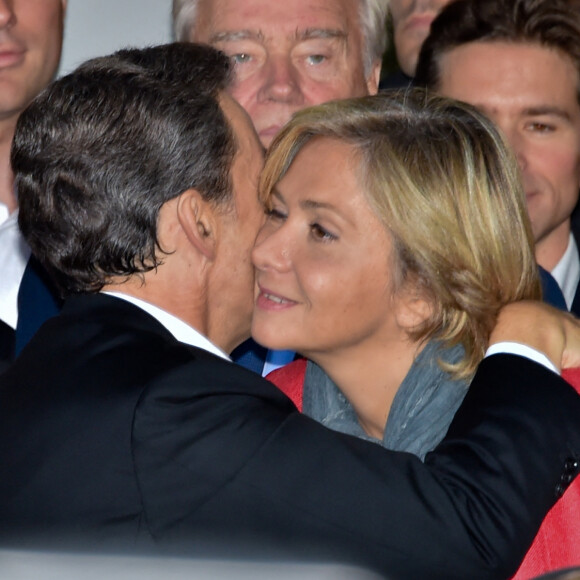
column 7, row 340
column 114, row 432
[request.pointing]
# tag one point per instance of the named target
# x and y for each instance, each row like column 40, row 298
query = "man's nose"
column 282, row 81
column 518, row 145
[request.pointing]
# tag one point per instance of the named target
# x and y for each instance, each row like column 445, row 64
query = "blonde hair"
column 448, row 191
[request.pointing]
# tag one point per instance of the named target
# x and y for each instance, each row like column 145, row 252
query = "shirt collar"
column 567, row 272
column 4, row 213
column 14, row 255
column 179, row 329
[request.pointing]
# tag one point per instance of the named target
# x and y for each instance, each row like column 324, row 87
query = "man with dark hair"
column 518, row 61
column 123, row 423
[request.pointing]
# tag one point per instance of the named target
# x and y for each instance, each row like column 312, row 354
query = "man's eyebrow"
column 314, row 33
column 233, row 35
column 302, row 35
column 547, row 110
column 532, row 111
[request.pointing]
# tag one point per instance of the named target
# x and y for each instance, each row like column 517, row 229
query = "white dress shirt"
column 567, row 272
column 521, row 350
column 14, row 254
column 179, row 329
column 4, row 213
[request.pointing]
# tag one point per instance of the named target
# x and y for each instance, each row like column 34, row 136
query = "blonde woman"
column 396, row 230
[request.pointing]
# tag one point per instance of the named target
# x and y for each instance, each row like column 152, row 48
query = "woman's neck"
column 369, row 376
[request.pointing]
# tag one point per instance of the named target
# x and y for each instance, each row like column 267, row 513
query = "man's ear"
column 374, row 77
column 197, row 220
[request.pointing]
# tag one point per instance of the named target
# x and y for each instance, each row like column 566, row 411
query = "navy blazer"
column 7, row 339
column 113, row 432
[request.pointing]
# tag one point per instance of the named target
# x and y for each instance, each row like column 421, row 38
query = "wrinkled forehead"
column 274, row 18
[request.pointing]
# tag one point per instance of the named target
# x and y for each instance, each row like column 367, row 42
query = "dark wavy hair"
column 98, row 153
column 554, row 24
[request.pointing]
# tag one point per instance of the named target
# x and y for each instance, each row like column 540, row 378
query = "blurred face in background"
column 531, row 93
column 287, row 54
column 30, row 45
column 411, row 23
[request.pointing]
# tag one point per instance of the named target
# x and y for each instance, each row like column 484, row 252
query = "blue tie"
column 551, row 291
column 37, row 302
column 250, row 355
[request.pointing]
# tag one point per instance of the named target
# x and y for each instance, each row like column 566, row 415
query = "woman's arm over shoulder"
column 290, row 380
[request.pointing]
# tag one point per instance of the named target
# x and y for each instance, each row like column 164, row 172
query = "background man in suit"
column 123, row 422
column 518, row 61
column 30, row 44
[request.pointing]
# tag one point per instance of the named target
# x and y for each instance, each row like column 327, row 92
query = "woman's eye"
column 274, row 214
column 321, row 234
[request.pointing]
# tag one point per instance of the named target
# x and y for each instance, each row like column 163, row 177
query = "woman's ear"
column 412, row 309
column 197, row 220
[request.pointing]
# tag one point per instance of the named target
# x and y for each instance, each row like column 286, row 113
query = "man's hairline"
column 437, row 59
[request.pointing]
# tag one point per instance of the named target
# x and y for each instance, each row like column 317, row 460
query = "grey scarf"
column 421, row 412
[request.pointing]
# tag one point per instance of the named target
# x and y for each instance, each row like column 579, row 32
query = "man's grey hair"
column 373, row 15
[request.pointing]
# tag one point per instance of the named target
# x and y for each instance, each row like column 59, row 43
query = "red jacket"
column 557, row 544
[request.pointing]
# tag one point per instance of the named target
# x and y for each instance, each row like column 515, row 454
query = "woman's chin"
column 270, row 338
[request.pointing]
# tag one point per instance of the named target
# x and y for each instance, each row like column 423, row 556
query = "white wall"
column 99, row 27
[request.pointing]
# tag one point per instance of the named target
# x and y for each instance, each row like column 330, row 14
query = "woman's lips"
column 268, row 300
